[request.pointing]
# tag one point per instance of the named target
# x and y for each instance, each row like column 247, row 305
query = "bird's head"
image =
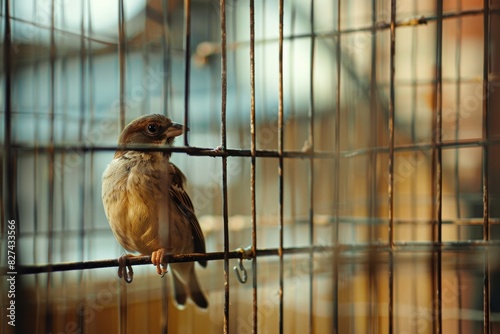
column 151, row 129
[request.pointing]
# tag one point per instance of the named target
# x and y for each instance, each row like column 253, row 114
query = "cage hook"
column 242, row 279
column 245, row 254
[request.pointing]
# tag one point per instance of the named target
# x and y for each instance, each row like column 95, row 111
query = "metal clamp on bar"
column 246, row 254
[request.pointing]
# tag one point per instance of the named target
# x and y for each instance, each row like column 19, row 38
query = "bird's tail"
column 196, row 294
column 184, row 274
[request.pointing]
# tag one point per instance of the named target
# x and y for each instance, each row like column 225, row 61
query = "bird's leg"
column 122, row 268
column 157, row 260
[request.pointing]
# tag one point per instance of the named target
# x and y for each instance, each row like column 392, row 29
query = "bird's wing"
column 183, row 202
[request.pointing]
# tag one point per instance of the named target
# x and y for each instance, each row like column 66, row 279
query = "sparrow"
column 147, row 207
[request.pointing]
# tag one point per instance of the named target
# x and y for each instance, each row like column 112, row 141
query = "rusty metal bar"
column 164, row 302
column 253, row 168
column 122, row 48
column 123, row 308
column 48, row 27
column 51, row 183
column 167, row 56
column 10, row 211
column 380, row 26
column 281, row 170
column 83, row 106
column 414, row 125
column 311, row 166
column 336, row 199
column 187, row 63
column 136, row 260
column 206, row 151
column 458, row 96
column 92, row 108
column 469, row 246
column 422, row 20
column 485, row 163
column 458, row 90
column 36, row 166
column 391, row 163
column 437, row 172
column 222, row 5
column 372, row 177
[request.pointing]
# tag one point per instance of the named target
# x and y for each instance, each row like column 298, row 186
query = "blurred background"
column 389, row 184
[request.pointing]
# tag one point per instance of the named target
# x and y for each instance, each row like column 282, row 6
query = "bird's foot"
column 128, row 276
column 157, row 260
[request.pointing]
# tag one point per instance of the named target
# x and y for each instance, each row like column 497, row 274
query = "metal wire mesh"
column 349, row 147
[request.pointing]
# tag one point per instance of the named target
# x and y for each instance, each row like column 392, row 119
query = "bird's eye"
column 152, row 128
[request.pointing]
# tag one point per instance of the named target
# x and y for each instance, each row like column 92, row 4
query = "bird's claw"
column 164, row 270
column 128, row 276
column 157, row 260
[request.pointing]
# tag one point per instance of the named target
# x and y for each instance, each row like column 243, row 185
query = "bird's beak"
column 175, row 130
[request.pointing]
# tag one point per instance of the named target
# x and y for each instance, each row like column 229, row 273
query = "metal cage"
column 342, row 157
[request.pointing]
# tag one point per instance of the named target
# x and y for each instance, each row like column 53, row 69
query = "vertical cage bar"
column 222, row 13
column 187, row 63
column 280, row 168
column 123, row 307
column 83, row 216
column 167, row 61
column 336, row 199
column 414, row 101
column 36, row 172
column 91, row 103
column 458, row 92
column 391, row 163
column 372, row 176
column 122, row 74
column 8, row 156
column 7, row 60
column 414, row 180
column 50, row 194
column 458, row 89
column 146, row 63
column 253, row 167
column 311, row 169
column 437, row 169
column 62, row 156
column 36, row 169
column 121, row 60
column 164, row 302
column 485, row 163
